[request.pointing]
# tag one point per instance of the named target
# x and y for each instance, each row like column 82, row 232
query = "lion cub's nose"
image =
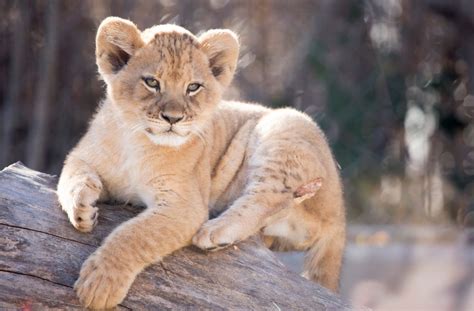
column 170, row 119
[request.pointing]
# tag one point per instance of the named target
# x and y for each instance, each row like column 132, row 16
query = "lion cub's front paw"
column 79, row 202
column 101, row 284
column 218, row 233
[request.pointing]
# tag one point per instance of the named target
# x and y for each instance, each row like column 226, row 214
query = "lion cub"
column 164, row 138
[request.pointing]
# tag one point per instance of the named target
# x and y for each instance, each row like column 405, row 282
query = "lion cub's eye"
column 152, row 82
column 193, row 88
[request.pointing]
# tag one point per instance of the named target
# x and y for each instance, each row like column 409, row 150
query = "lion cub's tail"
column 323, row 259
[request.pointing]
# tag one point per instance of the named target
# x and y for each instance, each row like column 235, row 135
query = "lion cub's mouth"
column 169, row 136
column 169, row 131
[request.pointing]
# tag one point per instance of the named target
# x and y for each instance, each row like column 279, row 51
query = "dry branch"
column 41, row 253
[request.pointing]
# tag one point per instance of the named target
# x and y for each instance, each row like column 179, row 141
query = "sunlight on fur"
column 165, row 138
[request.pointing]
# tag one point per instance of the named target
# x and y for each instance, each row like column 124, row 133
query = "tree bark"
column 41, row 254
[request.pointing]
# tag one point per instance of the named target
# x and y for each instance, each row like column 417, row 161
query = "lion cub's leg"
column 79, row 188
column 244, row 218
column 286, row 153
column 275, row 170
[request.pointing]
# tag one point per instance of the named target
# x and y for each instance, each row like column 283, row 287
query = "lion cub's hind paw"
column 217, row 234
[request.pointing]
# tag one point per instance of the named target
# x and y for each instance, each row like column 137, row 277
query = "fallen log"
column 41, row 254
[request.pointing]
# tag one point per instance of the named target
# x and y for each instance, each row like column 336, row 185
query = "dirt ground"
column 405, row 268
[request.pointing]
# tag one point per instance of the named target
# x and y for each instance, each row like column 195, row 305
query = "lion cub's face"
column 164, row 80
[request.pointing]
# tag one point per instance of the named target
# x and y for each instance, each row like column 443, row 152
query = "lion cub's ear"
column 222, row 48
column 117, row 40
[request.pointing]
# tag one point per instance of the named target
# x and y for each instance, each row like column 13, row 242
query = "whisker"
column 154, row 121
column 138, row 127
column 200, row 134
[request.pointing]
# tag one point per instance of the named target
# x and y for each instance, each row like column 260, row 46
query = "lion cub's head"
column 165, row 81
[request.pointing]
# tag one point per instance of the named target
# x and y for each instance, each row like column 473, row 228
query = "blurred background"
column 390, row 81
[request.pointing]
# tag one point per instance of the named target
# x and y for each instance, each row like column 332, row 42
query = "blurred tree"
column 19, row 22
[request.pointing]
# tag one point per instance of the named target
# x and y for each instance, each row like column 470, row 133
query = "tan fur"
column 243, row 160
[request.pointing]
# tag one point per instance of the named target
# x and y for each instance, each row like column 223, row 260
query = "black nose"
column 171, row 119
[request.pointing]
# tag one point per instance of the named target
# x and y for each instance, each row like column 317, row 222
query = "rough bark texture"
column 41, row 254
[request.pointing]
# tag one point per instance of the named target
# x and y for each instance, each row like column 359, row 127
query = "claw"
column 94, row 216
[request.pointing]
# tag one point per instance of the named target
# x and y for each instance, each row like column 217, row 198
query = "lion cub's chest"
column 143, row 171
column 126, row 180
column 124, row 184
